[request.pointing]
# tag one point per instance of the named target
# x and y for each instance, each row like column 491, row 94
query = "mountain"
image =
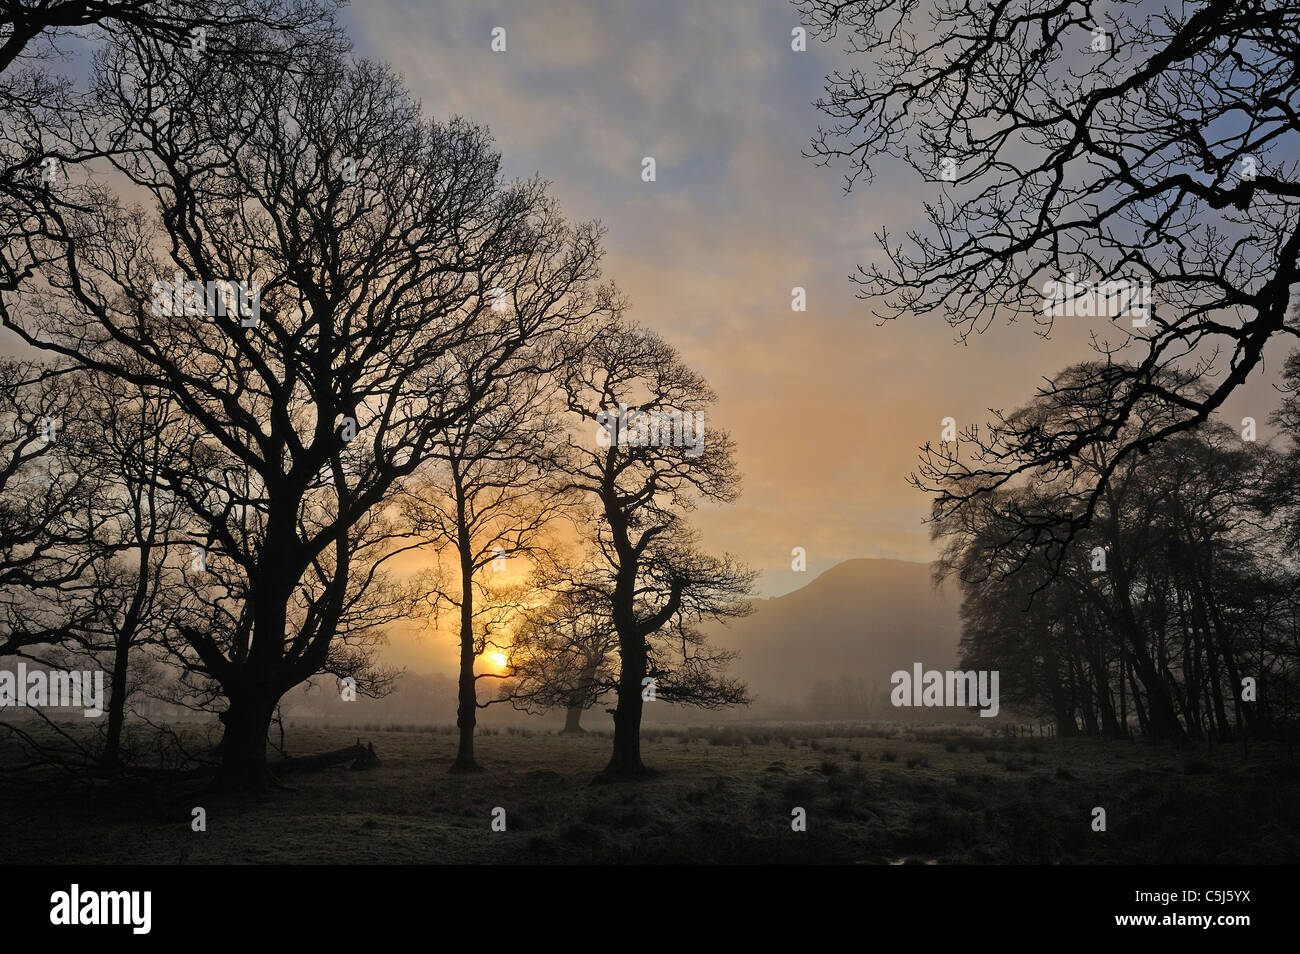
column 827, row 650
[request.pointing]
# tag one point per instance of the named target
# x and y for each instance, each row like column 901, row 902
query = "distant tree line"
column 1175, row 613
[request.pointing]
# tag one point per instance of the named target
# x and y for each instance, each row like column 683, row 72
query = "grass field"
column 873, row 795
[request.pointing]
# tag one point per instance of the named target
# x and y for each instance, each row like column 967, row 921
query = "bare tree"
column 493, row 497
column 1143, row 153
column 314, row 261
column 29, row 29
column 49, row 126
column 47, row 511
column 564, row 653
column 642, row 458
column 1153, row 605
column 130, row 438
column 52, row 521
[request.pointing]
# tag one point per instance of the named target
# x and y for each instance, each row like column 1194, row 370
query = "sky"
column 828, row 407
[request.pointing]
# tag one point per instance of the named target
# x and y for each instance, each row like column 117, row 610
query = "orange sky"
column 827, row 407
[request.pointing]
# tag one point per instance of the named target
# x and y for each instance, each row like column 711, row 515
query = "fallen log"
column 360, row 756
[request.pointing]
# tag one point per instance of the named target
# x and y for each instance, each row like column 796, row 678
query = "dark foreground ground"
column 875, row 795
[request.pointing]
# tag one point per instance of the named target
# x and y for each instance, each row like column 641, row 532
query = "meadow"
column 872, row 794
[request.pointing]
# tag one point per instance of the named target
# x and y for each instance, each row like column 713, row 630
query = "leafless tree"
column 1157, row 608
column 643, row 460
column 493, row 496
column 1121, row 149
column 48, row 125
column 28, row 28
column 54, row 520
column 47, row 512
column 131, row 437
column 564, row 653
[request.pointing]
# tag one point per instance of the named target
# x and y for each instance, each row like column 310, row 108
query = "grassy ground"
column 872, row 795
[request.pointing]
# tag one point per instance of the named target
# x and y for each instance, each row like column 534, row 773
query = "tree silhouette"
column 1140, row 149
column 1173, row 595
column 130, row 438
column 48, row 124
column 637, row 408
column 564, row 652
column 48, row 517
column 493, row 497
column 23, row 26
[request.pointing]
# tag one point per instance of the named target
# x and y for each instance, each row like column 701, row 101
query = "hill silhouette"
column 827, row 650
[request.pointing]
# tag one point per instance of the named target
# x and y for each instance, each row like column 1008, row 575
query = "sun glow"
column 499, row 660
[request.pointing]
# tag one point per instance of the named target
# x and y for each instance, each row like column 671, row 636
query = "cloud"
column 827, row 407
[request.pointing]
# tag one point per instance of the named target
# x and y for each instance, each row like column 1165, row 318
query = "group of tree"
column 285, row 336
column 1175, row 613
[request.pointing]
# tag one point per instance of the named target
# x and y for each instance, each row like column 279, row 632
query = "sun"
column 499, row 660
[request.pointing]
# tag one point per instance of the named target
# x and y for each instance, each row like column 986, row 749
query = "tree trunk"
column 466, row 720
column 123, row 639
column 626, row 760
column 1061, row 710
column 467, row 697
column 1162, row 716
column 1123, row 693
column 1101, row 683
column 112, row 756
column 243, row 748
column 1221, row 635
column 573, row 720
column 573, row 716
column 1144, row 722
column 255, row 687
